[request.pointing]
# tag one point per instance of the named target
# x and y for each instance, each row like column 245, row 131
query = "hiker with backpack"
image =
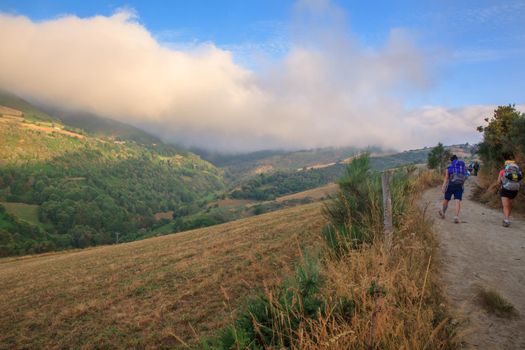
column 509, row 180
column 455, row 177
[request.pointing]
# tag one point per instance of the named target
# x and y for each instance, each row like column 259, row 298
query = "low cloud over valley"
column 327, row 90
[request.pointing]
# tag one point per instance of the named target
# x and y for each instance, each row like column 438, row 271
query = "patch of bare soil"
column 164, row 215
column 480, row 252
column 51, row 130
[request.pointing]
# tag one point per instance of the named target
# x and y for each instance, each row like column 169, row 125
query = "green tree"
column 82, row 236
column 438, row 157
column 503, row 136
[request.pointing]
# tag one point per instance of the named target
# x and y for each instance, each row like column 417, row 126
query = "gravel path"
column 480, row 252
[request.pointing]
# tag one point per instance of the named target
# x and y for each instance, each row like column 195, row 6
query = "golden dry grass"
column 315, row 193
column 148, row 293
column 51, row 130
column 397, row 297
column 395, row 293
column 10, row 111
column 225, row 203
column 18, row 121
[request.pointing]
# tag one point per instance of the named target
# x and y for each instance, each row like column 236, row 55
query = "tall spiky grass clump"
column 354, row 214
column 273, row 318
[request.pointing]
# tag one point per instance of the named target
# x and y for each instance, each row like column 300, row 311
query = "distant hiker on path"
column 476, row 168
column 455, row 177
column 509, row 183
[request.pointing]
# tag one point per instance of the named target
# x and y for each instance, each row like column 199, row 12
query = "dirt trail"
column 480, row 252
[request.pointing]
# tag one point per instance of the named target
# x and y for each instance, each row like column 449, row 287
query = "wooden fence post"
column 387, row 208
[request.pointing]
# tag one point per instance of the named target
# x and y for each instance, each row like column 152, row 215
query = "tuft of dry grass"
column 495, row 304
column 157, row 293
column 397, row 298
column 427, row 179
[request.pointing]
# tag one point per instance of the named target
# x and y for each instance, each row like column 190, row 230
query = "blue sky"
column 479, row 46
column 254, row 74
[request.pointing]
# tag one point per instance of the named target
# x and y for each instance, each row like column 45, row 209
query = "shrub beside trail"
column 353, row 293
column 503, row 139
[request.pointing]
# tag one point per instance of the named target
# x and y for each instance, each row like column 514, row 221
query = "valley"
column 90, row 181
column 86, row 189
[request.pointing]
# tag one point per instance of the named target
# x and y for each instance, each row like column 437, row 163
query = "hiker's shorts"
column 454, row 190
column 506, row 193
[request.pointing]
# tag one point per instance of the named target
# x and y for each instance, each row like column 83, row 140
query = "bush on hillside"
column 438, row 157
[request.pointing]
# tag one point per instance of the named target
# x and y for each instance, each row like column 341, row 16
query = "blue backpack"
column 457, row 172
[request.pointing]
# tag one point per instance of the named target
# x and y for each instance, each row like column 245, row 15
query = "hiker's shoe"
column 506, row 223
column 441, row 214
column 456, row 220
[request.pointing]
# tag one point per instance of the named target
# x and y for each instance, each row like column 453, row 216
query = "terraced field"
column 27, row 212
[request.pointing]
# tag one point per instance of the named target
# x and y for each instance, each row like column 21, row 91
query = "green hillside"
column 268, row 186
column 105, row 127
column 89, row 188
column 31, row 112
column 241, row 166
column 27, row 212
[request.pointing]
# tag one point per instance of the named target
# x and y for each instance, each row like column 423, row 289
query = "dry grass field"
column 317, row 193
column 227, row 203
column 9, row 111
column 151, row 293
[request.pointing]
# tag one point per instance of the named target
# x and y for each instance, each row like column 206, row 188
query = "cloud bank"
column 328, row 90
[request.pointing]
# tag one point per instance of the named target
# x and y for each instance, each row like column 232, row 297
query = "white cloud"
column 328, row 90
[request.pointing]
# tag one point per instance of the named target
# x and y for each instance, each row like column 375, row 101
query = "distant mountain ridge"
column 241, row 166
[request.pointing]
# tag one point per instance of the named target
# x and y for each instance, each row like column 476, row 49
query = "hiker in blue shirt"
column 455, row 177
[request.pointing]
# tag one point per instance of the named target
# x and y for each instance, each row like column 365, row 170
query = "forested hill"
column 62, row 187
column 242, row 166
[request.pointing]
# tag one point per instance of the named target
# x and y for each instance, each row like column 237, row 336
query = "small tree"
column 438, row 157
column 503, row 135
